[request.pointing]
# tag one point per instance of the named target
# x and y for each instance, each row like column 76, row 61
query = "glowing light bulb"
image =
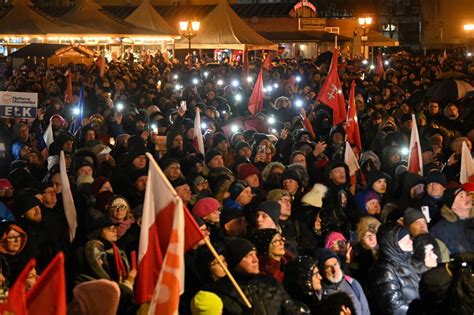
column 234, row 128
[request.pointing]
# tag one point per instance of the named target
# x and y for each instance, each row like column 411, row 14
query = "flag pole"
column 227, row 272
column 206, row 239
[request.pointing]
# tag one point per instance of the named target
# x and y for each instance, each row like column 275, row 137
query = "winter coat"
column 394, row 279
column 458, row 235
column 265, row 294
column 353, row 289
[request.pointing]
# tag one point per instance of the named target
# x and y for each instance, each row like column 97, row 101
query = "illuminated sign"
column 305, row 3
column 311, row 24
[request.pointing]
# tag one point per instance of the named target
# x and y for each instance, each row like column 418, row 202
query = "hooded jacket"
column 394, row 279
column 457, row 234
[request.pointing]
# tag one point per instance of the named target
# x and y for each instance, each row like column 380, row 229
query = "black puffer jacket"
column 394, row 279
column 266, row 295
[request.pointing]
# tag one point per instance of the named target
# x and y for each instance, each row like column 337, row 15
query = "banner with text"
column 18, row 104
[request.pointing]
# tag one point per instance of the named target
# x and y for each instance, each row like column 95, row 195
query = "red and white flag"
column 68, row 93
column 267, row 62
column 351, row 161
column 197, row 137
column 352, row 123
column 68, row 201
column 101, row 63
column 331, row 92
column 167, row 231
column 467, row 164
column 415, row 160
column 379, row 70
column 255, row 105
column 48, row 295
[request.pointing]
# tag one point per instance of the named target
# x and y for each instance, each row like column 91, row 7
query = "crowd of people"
column 276, row 199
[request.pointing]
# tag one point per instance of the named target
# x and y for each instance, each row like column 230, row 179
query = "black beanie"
column 402, row 233
column 262, row 239
column 323, row 254
column 450, row 195
column 411, row 215
column 240, row 145
column 229, row 214
column 25, row 200
column 291, row 174
column 211, row 154
column 236, row 249
column 178, row 182
column 272, row 208
column 218, row 138
column 236, row 188
column 436, row 177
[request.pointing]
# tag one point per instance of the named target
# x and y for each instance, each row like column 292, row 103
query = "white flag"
column 48, row 136
column 197, row 138
column 467, row 166
column 68, row 201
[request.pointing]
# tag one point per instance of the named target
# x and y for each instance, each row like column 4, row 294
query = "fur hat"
column 315, row 196
column 367, row 224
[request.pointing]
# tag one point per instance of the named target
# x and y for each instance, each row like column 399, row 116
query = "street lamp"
column 189, row 29
column 365, row 23
column 468, row 28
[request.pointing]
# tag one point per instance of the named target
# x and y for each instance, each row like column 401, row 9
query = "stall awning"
column 313, row 36
column 378, row 40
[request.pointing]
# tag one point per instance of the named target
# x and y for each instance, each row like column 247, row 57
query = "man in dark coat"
column 395, row 280
column 265, row 294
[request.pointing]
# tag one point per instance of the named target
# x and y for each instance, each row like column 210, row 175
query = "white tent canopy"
column 223, row 28
column 146, row 16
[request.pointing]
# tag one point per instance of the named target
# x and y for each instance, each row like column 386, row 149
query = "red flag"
column 352, row 123
column 197, row 137
column 160, row 251
column 255, row 105
column 16, row 300
column 101, row 63
column 415, row 161
column 331, row 92
column 267, row 62
column 68, row 93
column 379, row 70
column 48, row 295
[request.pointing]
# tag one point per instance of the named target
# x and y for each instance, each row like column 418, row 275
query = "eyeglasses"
column 215, row 262
column 278, row 241
column 14, row 238
column 116, row 208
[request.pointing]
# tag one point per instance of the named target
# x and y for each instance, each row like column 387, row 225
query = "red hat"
column 205, row 206
column 245, row 170
column 5, row 184
column 468, row 187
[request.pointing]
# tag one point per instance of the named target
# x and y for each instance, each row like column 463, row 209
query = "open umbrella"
column 449, row 90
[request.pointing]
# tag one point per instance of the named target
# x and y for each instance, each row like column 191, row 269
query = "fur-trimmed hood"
column 449, row 215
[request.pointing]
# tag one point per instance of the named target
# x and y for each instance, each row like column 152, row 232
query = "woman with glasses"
column 12, row 243
column 101, row 258
column 271, row 253
column 119, row 211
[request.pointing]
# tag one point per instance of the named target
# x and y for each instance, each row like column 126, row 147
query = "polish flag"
column 331, row 92
column 101, row 63
column 168, row 230
column 48, row 136
column 467, row 164
column 16, row 300
column 68, row 201
column 68, row 93
column 48, row 295
column 267, row 62
column 352, row 123
column 197, row 137
column 255, row 105
column 351, row 161
column 379, row 70
column 415, row 161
